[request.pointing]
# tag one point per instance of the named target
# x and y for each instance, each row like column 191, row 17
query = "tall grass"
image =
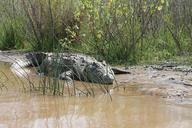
column 10, row 38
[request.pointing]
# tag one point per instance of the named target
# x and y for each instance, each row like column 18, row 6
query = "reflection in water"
column 57, row 112
column 24, row 110
column 67, row 121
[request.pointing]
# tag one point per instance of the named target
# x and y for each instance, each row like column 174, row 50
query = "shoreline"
column 11, row 56
column 166, row 83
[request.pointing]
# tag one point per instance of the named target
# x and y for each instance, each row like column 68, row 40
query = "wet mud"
column 146, row 98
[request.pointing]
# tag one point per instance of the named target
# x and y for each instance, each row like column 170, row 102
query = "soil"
column 11, row 56
column 167, row 81
column 170, row 84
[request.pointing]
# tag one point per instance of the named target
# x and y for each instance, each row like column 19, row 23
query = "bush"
column 9, row 38
column 119, row 31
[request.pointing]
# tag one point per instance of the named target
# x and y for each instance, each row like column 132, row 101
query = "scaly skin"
column 70, row 66
column 81, row 67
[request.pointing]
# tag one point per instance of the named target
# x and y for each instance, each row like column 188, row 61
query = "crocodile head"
column 36, row 58
column 98, row 72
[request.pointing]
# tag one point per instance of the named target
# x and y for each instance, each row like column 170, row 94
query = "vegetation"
column 119, row 31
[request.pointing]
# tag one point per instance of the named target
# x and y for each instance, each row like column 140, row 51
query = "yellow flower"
column 110, row 2
column 144, row 8
column 160, row 8
column 99, row 34
column 162, row 1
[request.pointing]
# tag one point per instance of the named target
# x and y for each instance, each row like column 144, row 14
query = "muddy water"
column 20, row 109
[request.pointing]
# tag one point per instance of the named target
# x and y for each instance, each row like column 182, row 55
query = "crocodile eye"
column 104, row 63
column 94, row 64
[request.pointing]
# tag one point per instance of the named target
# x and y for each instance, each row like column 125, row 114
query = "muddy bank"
column 131, row 106
column 168, row 80
column 11, row 56
column 170, row 84
column 136, row 102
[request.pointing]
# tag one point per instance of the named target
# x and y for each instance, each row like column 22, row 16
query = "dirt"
column 11, row 56
column 146, row 98
column 167, row 83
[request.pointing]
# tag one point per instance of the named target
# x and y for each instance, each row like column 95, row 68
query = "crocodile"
column 69, row 66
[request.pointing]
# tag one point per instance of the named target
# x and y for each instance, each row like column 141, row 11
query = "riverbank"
column 169, row 84
column 11, row 56
column 169, row 80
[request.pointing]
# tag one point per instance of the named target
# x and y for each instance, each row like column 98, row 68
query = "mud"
column 146, row 98
column 168, row 80
column 169, row 84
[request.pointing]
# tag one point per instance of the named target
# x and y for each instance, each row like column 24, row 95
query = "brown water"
column 20, row 109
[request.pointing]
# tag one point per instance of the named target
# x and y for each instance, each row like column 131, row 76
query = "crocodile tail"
column 120, row 71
